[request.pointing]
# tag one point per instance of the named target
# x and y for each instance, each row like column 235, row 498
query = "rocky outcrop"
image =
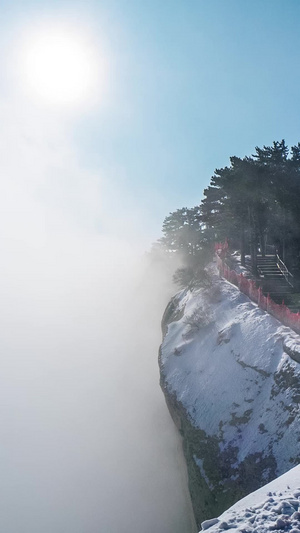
column 274, row 507
column 233, row 393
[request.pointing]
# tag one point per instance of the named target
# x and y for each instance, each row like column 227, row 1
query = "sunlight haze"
column 58, row 68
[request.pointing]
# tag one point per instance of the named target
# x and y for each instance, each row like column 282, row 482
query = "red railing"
column 248, row 287
column 221, row 247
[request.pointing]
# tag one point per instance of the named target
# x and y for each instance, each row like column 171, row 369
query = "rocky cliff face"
column 233, row 392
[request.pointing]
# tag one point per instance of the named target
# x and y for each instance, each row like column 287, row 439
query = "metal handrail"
column 284, row 270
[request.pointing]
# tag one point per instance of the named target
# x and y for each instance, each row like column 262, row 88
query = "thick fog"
column 87, row 444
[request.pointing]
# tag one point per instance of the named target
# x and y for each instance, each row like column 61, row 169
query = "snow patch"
column 274, row 507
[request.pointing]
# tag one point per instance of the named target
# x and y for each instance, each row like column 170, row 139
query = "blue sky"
column 190, row 84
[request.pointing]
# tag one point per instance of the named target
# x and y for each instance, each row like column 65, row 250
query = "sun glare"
column 59, row 67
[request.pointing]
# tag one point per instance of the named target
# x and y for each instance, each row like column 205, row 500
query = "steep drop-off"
column 233, row 392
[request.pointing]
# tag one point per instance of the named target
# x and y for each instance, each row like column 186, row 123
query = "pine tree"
column 182, row 231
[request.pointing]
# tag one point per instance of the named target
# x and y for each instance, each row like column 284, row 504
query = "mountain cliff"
column 231, row 380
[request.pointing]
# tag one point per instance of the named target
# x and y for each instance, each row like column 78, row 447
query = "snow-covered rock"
column 274, row 507
column 233, row 390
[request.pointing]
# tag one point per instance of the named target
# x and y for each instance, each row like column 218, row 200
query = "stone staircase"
column 273, row 281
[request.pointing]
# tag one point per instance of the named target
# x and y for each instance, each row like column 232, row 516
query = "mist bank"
column 87, row 443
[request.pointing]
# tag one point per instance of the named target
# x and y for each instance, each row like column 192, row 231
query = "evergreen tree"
column 234, row 205
column 252, row 201
column 256, row 198
column 182, row 231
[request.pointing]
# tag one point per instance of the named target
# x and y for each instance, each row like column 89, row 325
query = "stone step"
column 272, row 280
column 266, row 258
column 275, row 275
column 268, row 262
column 277, row 285
column 276, row 279
column 272, row 288
column 268, row 267
column 272, row 268
column 277, row 288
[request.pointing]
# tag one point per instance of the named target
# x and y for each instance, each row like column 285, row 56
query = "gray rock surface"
column 233, row 392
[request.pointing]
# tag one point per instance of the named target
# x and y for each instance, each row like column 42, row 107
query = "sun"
column 59, row 67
